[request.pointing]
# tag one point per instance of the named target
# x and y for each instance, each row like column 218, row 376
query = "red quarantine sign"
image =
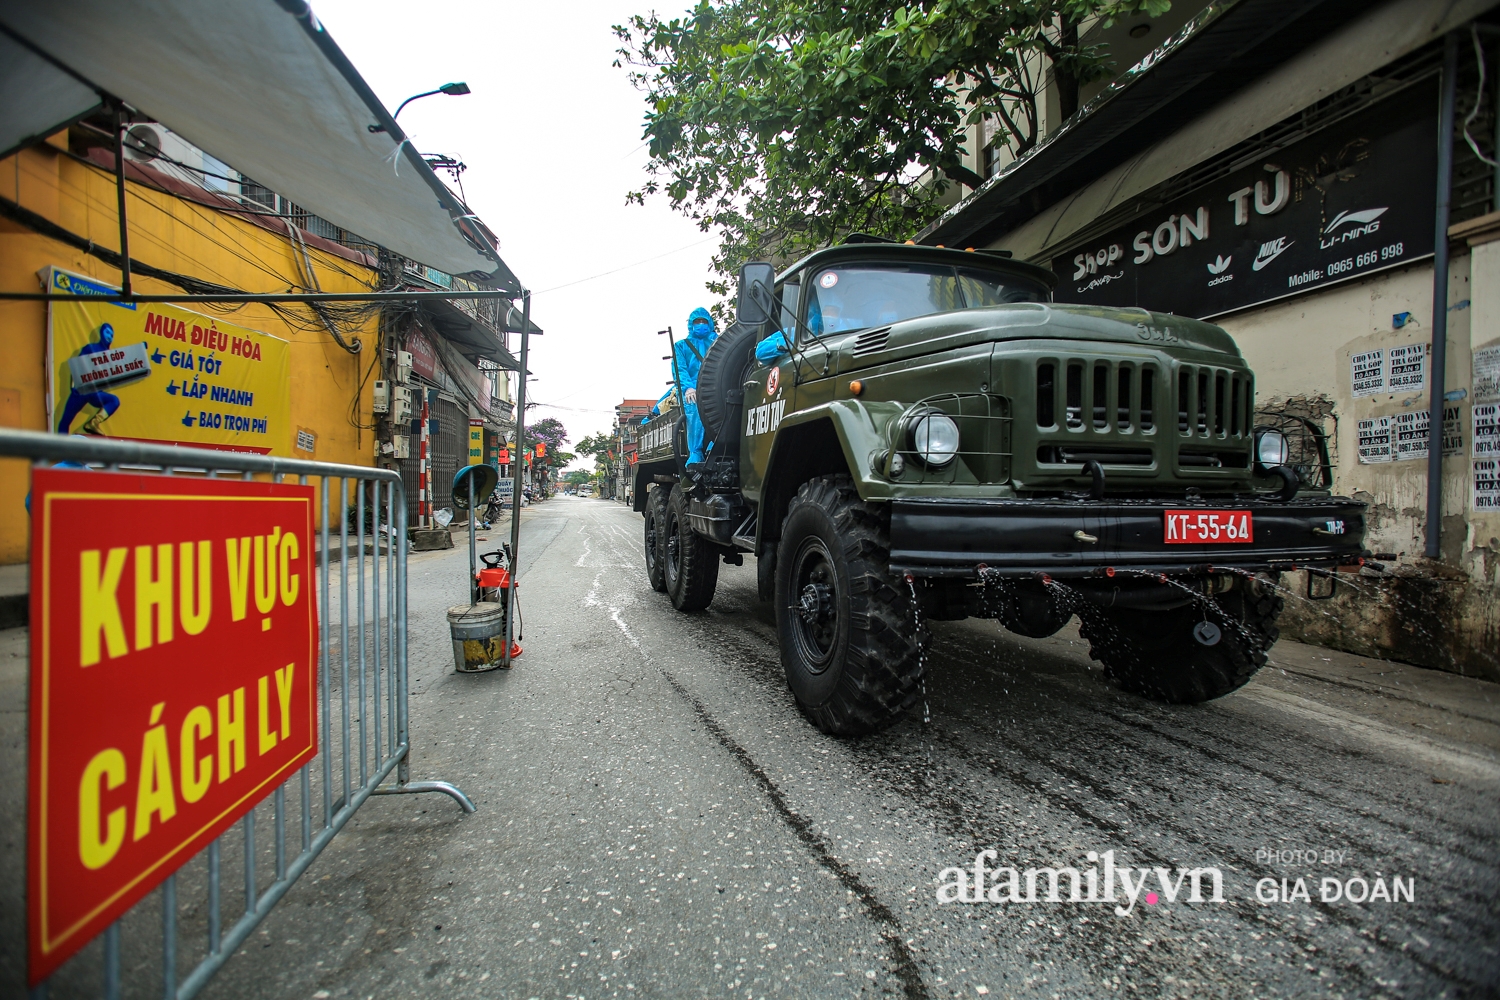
column 173, row 681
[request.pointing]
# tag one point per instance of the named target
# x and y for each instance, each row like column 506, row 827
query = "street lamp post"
column 451, row 89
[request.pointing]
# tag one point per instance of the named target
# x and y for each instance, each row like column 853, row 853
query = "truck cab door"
column 768, row 391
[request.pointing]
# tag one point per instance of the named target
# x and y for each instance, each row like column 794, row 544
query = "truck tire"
column 691, row 562
column 721, row 380
column 847, row 626
column 656, row 538
column 1155, row 653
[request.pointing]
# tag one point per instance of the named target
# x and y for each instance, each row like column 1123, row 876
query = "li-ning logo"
column 1094, row 884
column 1364, row 223
column 1269, row 251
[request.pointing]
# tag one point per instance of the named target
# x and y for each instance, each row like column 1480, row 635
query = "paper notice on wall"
column 1453, row 432
column 1375, row 440
column 1486, row 430
column 1367, row 371
column 1406, row 370
column 1487, row 374
column 1411, row 435
column 1487, row 485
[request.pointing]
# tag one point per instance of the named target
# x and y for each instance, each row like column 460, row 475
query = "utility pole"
column 518, row 464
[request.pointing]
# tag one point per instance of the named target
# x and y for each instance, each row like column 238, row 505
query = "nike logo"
column 1269, row 251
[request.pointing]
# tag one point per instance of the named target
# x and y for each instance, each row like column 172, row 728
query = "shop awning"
column 256, row 83
column 472, row 338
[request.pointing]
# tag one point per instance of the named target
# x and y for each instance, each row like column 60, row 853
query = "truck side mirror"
column 756, row 300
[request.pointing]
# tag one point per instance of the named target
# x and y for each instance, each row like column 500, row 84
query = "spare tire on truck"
column 721, row 384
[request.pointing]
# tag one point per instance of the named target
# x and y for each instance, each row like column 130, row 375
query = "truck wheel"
column 691, row 561
column 656, row 538
column 847, row 628
column 1160, row 654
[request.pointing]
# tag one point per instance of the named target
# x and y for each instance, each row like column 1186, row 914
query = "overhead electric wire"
column 91, row 204
column 605, row 274
column 355, row 314
column 570, row 409
column 46, row 227
column 108, row 208
column 210, row 214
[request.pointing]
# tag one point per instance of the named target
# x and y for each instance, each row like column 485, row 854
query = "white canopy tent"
column 259, row 85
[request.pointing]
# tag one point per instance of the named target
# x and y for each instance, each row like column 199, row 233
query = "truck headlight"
column 1271, row 448
column 934, row 437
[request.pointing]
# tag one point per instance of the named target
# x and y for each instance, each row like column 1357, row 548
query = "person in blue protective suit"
column 774, row 346
column 687, row 359
column 106, row 402
column 771, row 348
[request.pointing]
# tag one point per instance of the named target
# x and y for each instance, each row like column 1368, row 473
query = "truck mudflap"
column 1079, row 538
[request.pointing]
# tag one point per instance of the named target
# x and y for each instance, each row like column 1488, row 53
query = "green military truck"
column 940, row 440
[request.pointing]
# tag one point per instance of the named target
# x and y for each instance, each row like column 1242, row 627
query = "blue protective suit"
column 687, row 359
column 107, row 402
column 773, row 347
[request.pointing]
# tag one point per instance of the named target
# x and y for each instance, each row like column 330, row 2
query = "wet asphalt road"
column 655, row 818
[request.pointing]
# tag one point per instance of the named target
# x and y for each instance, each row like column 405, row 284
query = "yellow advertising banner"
column 476, row 442
column 150, row 372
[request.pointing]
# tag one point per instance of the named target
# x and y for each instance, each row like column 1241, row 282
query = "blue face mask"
column 701, row 329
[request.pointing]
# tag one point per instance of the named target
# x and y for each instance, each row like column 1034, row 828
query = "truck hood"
column 1023, row 321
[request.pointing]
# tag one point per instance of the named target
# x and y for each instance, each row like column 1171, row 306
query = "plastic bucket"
column 478, row 632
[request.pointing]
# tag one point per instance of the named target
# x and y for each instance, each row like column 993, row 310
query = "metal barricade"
column 362, row 710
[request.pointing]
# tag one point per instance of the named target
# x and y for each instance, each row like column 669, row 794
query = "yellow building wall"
column 191, row 239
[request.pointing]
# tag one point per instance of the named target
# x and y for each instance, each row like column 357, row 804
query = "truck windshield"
column 858, row 296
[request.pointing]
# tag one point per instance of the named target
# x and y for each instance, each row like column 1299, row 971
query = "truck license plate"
column 1195, row 527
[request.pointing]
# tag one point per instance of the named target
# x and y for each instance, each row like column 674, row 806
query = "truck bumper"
column 936, row 537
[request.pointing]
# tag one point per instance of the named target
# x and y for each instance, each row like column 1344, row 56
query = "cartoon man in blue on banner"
column 97, row 367
column 81, row 395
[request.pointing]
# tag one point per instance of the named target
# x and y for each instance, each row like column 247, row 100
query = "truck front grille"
column 1214, row 403
column 1104, row 395
column 1115, row 407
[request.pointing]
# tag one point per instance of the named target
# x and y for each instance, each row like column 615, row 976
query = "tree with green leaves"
column 596, row 444
column 788, row 124
column 602, row 447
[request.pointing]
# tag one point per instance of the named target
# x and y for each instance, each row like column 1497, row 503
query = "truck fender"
column 833, row 438
column 645, row 475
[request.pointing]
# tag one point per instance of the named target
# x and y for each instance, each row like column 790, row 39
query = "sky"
column 552, row 138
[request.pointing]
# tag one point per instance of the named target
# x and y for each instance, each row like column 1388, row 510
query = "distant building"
column 629, row 415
